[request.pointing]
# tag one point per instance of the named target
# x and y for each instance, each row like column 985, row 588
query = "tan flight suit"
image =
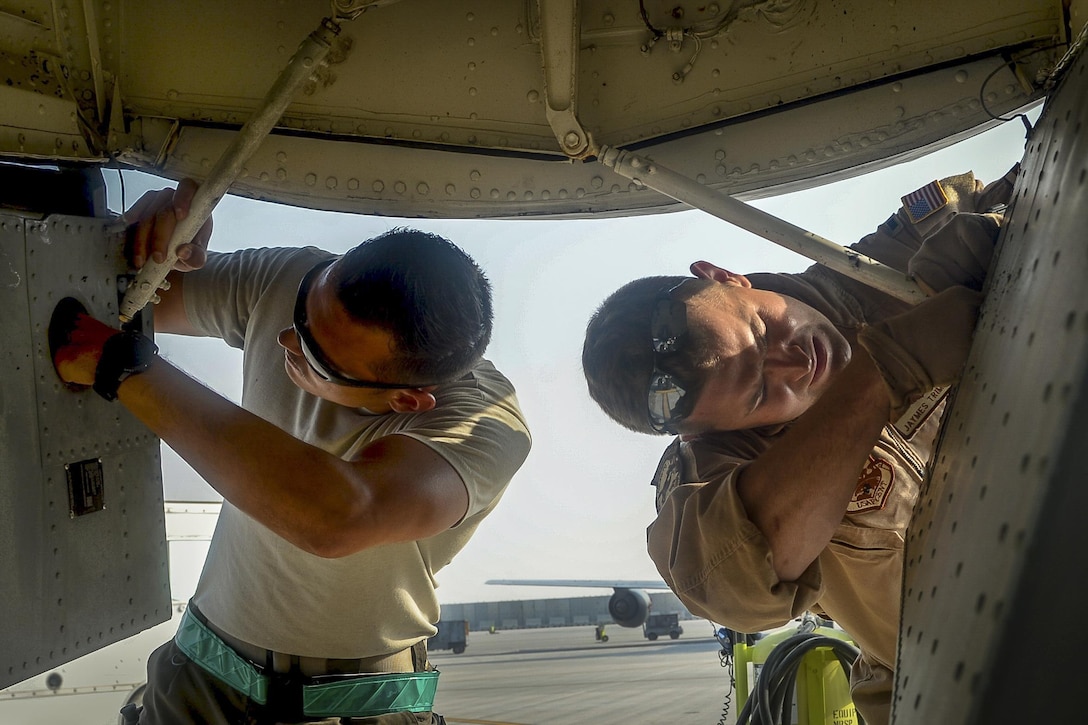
column 719, row 563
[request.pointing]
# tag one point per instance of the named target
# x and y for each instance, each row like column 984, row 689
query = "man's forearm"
column 297, row 490
column 798, row 490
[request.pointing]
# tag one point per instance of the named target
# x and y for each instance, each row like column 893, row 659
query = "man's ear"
column 706, row 270
column 412, row 400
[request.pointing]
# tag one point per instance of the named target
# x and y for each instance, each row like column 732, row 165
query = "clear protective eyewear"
column 668, row 326
column 315, row 358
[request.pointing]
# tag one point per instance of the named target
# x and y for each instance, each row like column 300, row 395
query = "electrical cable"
column 676, row 35
column 654, row 32
column 121, row 178
column 725, row 658
column 707, row 32
column 771, row 700
column 1010, row 63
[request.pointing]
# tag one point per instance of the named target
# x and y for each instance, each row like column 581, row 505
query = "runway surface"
column 562, row 676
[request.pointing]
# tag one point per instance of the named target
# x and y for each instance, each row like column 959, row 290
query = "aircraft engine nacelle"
column 629, row 607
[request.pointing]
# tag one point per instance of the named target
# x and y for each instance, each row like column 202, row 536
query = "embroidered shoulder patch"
column 923, row 202
column 874, row 485
column 669, row 474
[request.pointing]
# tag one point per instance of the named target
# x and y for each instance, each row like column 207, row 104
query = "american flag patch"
column 925, row 201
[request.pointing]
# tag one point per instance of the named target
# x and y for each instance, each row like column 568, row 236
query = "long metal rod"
column 559, row 45
column 828, row 253
column 304, row 62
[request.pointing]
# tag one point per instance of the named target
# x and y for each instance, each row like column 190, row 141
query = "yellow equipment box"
column 822, row 694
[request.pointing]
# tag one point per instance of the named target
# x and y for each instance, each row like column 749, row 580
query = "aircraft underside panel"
column 996, row 556
column 82, row 536
column 432, row 108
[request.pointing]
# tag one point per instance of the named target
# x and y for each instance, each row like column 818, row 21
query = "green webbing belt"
column 204, row 648
column 364, row 696
column 372, row 695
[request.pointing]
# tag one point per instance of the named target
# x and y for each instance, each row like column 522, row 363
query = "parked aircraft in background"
column 629, row 604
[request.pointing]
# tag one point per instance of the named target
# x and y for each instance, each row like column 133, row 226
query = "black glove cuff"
column 126, row 353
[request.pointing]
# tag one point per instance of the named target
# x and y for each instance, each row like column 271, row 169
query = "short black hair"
column 431, row 297
column 617, row 356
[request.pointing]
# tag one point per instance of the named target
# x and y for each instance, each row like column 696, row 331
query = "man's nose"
column 787, row 362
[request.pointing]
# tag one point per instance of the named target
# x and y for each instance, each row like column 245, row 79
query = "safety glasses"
column 316, row 359
column 668, row 325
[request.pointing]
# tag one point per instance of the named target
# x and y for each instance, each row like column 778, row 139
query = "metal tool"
column 305, row 61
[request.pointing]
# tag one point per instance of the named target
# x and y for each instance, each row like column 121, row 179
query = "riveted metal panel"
column 744, row 160
column 998, row 549
column 432, row 108
column 77, row 575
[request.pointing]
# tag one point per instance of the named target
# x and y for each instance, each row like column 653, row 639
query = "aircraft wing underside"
column 430, row 108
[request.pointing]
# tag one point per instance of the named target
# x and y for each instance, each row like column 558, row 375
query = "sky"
column 579, row 507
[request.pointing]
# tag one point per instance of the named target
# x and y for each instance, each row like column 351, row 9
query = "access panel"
column 83, row 550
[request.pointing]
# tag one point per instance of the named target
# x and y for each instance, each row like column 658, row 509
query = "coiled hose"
column 771, row 701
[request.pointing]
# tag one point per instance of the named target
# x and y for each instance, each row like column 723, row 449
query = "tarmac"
column 563, row 676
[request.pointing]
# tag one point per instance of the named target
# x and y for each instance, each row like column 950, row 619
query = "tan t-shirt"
column 260, row 588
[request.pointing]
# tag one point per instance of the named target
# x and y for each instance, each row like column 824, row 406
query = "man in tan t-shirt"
column 371, row 440
column 805, row 419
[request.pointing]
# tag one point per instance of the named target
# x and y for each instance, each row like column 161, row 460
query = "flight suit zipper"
column 899, row 445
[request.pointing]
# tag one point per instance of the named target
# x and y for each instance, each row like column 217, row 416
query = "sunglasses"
column 668, row 325
column 316, row 359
